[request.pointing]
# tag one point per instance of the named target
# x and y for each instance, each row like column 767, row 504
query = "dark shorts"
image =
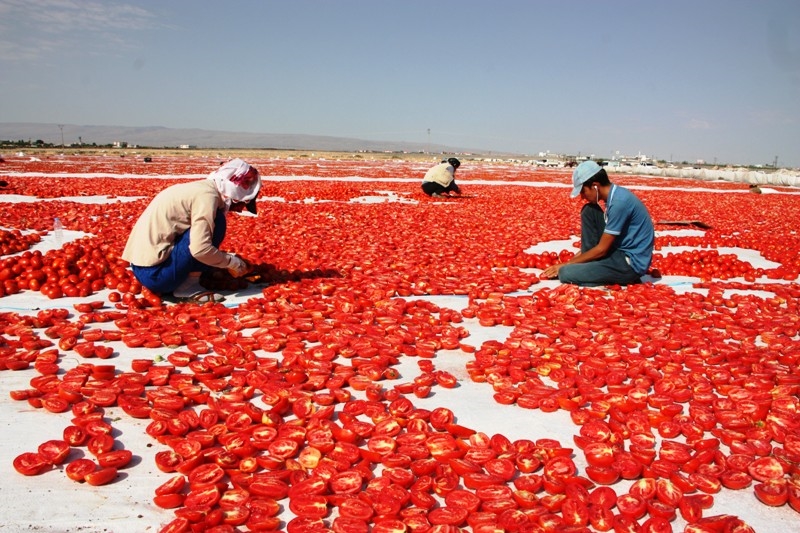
column 431, row 187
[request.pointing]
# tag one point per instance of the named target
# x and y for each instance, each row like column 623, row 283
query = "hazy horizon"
column 682, row 80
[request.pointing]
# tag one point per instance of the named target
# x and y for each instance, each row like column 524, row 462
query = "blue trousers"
column 166, row 276
column 612, row 269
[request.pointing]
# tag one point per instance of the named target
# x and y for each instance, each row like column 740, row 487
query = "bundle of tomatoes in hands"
column 239, row 267
column 228, row 279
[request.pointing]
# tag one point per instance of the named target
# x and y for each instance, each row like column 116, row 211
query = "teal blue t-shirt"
column 629, row 221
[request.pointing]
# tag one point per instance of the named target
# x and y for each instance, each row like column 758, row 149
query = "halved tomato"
column 463, row 499
column 31, row 463
column 448, row 515
column 101, row 443
column 631, row 506
column 667, row 492
column 356, row 508
column 347, row 482
column 309, row 505
column 178, row 525
column 765, row 468
column 773, row 492
column 735, row 480
column 344, row 524
column 101, row 477
column 205, row 474
column 78, row 469
column 603, row 475
column 167, row 460
column 599, row 454
column 560, row 468
column 605, row 497
column 115, row 458
column 55, row 404
column 54, row 451
column 206, row 496
column 575, row 512
column 169, row 501
column 172, row 485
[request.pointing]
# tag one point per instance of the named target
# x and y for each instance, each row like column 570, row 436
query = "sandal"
column 191, row 291
column 203, row 297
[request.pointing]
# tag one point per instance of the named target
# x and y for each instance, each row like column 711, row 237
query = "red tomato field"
column 394, row 363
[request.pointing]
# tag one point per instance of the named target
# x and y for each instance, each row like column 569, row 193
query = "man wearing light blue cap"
column 616, row 244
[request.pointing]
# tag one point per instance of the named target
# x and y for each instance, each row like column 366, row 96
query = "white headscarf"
column 236, row 181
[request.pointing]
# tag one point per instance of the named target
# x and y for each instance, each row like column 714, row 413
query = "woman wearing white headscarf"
column 440, row 180
column 177, row 237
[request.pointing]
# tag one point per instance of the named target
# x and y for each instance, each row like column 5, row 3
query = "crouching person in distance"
column 440, row 180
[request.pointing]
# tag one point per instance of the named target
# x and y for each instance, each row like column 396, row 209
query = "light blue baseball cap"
column 582, row 174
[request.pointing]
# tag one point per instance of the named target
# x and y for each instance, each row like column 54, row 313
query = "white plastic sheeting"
column 782, row 177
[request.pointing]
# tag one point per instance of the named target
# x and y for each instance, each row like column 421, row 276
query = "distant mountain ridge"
column 158, row 137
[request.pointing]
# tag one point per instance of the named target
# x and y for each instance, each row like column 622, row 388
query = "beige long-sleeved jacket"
column 443, row 174
column 179, row 208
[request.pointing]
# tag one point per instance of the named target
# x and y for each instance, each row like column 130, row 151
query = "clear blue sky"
column 681, row 79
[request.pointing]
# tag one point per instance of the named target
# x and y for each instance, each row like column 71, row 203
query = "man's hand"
column 550, row 272
column 238, row 267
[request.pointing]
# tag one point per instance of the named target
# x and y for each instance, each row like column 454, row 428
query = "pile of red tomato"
column 15, row 241
column 291, row 400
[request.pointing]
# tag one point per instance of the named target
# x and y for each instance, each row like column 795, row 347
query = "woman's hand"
column 238, row 267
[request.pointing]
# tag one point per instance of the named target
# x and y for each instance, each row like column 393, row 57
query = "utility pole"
column 775, row 163
column 61, row 127
column 428, row 149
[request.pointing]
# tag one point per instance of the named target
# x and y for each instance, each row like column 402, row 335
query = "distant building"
column 187, row 146
column 120, row 144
